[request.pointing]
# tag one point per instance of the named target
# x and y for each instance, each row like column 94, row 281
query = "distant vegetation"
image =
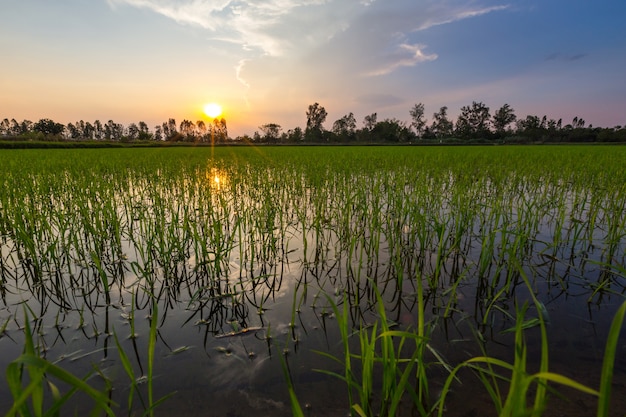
column 475, row 124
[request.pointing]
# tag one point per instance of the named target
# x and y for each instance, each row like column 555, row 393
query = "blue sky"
column 266, row 61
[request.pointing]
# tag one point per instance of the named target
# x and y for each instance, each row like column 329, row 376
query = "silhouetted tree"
column 271, row 132
column 345, row 128
column 48, row 127
column 392, row 130
column 188, row 130
column 113, row 131
column 315, row 117
column 530, row 127
column 132, row 131
column 201, row 131
column 158, row 132
column 295, row 135
column 473, row 121
column 441, row 127
column 220, row 132
column 418, row 121
column 370, row 121
column 144, row 131
column 502, row 118
column 5, row 127
column 73, row 131
column 98, row 131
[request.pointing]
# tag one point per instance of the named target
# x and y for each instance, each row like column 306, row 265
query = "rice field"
column 316, row 281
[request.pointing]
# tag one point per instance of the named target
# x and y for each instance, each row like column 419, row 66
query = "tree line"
column 474, row 124
column 46, row 129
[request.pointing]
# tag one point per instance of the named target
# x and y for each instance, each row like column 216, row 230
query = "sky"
column 266, row 61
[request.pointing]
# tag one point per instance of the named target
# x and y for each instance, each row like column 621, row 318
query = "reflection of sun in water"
column 216, row 178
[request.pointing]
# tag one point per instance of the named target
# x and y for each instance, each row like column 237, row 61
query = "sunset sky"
column 265, row 61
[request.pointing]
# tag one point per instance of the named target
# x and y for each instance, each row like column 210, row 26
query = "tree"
column 502, row 118
column 87, row 130
column 170, row 132
column 220, row 132
column 113, row 131
column 473, row 122
column 73, row 131
column 5, row 127
column 315, row 117
column 15, row 128
column 578, row 122
column 132, row 131
column 48, row 127
column 158, row 133
column 530, row 127
column 441, row 127
column 418, row 120
column 25, row 126
column 295, row 135
column 345, row 127
column 97, row 133
column 271, row 132
column 188, row 130
column 201, row 129
column 369, row 122
column 144, row 132
column 392, row 130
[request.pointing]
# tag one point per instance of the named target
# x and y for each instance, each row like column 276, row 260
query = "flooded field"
column 325, row 281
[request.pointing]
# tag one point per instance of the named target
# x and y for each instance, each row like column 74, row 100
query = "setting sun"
column 212, row 110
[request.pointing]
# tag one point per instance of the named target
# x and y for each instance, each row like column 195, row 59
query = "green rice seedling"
column 380, row 355
column 128, row 368
column 30, row 400
column 148, row 378
column 458, row 221
column 606, row 379
column 520, row 381
column 296, row 409
column 102, row 274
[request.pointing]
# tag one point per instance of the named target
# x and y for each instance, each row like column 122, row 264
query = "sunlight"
column 216, row 178
column 213, row 110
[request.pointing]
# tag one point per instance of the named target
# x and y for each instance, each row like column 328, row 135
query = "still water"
column 243, row 277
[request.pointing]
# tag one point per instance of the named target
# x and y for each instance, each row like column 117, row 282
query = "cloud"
column 385, row 36
column 442, row 16
column 314, row 41
column 270, row 27
column 404, row 55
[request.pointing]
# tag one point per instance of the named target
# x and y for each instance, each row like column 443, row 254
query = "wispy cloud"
column 271, row 27
column 335, row 37
column 405, row 55
column 446, row 15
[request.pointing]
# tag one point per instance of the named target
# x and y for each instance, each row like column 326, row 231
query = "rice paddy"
column 324, row 281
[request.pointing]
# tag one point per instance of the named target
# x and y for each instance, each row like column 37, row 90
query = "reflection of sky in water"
column 221, row 258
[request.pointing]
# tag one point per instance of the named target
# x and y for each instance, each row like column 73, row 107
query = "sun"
column 212, row 110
